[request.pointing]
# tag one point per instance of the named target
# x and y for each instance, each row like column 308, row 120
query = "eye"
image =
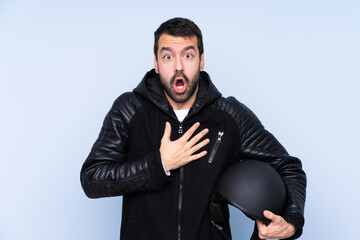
column 188, row 55
column 167, row 57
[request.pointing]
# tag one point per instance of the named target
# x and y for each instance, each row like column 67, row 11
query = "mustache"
column 179, row 74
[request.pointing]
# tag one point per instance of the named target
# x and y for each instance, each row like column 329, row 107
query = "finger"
column 197, row 156
column 260, row 225
column 198, row 146
column 190, row 132
column 167, row 132
column 262, row 229
column 273, row 217
column 197, row 137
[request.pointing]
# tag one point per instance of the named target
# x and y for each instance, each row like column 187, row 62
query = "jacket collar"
column 150, row 88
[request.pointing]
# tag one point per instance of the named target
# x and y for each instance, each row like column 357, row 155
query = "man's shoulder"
column 128, row 100
column 230, row 104
column 237, row 110
column 126, row 105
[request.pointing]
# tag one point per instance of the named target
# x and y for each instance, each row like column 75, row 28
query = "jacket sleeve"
column 107, row 171
column 257, row 143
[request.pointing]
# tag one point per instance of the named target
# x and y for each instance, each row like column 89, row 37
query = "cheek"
column 166, row 75
column 166, row 68
column 163, row 71
column 193, row 68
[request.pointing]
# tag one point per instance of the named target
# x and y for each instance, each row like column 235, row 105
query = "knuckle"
column 191, row 130
column 196, row 146
column 196, row 137
column 190, row 159
column 201, row 134
column 194, row 157
column 199, row 147
column 262, row 232
column 185, row 136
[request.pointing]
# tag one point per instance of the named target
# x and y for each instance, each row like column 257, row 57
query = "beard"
column 191, row 85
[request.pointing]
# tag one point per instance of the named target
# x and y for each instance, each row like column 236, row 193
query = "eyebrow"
column 171, row 50
column 189, row 47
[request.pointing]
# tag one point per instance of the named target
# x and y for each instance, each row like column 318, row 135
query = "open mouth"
column 179, row 85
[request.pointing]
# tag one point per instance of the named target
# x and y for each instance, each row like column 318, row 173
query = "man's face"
column 178, row 63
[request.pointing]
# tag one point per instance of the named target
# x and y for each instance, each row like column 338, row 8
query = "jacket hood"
column 151, row 88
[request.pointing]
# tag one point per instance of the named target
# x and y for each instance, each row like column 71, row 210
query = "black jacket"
column 125, row 160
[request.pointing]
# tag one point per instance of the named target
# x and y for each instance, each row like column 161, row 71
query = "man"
column 164, row 146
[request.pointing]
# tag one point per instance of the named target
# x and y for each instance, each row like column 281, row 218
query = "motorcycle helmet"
column 253, row 186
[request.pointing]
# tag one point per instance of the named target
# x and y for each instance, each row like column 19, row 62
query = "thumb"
column 269, row 215
column 167, row 132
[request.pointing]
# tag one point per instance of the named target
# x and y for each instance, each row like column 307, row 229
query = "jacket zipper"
column 180, row 131
column 216, row 146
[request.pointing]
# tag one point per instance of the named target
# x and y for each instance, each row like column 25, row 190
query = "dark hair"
column 179, row 27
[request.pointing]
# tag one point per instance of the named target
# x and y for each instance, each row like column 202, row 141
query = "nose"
column 179, row 66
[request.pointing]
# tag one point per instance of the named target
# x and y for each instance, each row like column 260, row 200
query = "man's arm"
column 257, row 143
column 107, row 171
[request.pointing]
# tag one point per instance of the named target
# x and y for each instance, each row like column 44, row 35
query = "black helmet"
column 253, row 186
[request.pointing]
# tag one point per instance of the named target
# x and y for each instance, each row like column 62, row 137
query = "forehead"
column 176, row 43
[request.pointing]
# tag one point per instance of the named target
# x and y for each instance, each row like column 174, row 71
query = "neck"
column 185, row 105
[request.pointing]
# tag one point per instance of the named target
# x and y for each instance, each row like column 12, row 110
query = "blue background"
column 63, row 63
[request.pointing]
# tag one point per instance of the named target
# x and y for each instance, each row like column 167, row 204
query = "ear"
column 156, row 65
column 202, row 62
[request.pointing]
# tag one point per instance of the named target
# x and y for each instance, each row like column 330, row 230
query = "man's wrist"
column 166, row 172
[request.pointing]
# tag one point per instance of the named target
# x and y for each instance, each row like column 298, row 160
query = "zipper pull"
column 180, row 131
column 220, row 134
column 216, row 146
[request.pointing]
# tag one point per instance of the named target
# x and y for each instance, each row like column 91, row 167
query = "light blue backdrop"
column 62, row 64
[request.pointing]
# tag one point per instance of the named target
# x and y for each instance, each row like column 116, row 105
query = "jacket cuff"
column 298, row 222
column 156, row 169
